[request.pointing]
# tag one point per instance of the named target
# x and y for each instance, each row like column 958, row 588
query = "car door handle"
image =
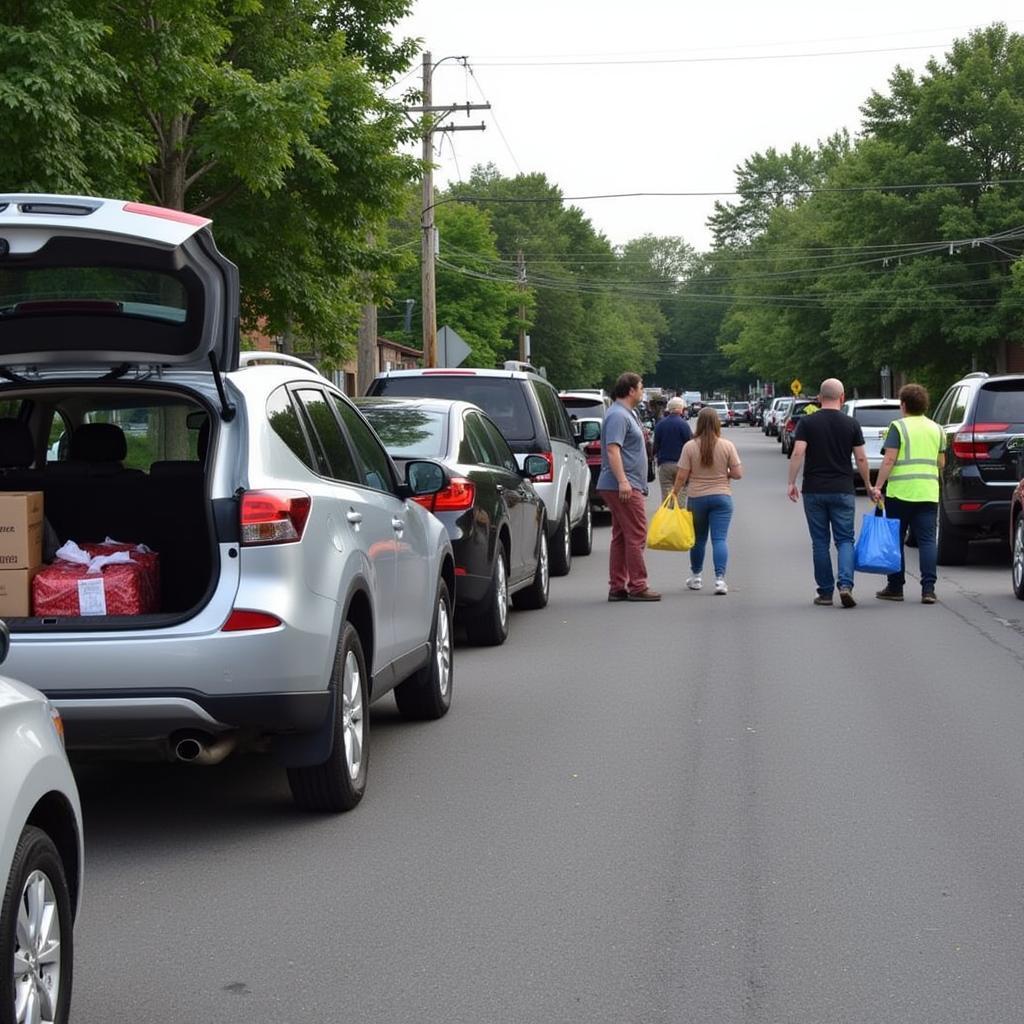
column 500, row 488
column 353, row 516
column 398, row 524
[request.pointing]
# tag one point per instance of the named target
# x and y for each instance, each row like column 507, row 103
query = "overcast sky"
column 678, row 95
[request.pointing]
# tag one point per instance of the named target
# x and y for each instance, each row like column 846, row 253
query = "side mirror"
column 5, row 640
column 535, row 466
column 577, row 430
column 423, row 478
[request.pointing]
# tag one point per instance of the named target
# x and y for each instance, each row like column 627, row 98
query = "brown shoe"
column 928, row 597
column 889, row 595
column 823, row 600
column 618, row 595
column 644, row 595
column 846, row 598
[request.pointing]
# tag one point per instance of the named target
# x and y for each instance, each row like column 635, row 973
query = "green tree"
column 267, row 114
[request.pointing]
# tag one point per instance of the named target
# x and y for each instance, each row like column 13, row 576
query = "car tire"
column 536, row 594
column 583, row 535
column 560, row 548
column 488, row 627
column 427, row 693
column 338, row 783
column 37, row 893
column 951, row 544
column 1018, row 558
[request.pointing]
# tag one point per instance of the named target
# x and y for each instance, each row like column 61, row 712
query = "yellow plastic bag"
column 671, row 527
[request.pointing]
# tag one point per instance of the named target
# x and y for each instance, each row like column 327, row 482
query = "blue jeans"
column 830, row 516
column 711, row 513
column 920, row 515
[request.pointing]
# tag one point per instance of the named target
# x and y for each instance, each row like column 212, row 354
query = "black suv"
column 983, row 420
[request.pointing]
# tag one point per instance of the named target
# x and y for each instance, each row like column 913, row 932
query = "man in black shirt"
column 822, row 445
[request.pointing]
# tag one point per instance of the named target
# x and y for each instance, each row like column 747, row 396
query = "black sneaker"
column 889, row 595
column 846, row 597
column 618, row 595
column 928, row 597
column 823, row 600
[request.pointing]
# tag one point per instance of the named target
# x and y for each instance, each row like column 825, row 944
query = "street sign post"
column 451, row 349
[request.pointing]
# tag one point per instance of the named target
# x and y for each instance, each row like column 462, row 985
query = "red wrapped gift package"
column 121, row 582
column 148, row 559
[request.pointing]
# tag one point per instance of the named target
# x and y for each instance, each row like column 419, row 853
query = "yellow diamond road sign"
column 795, row 386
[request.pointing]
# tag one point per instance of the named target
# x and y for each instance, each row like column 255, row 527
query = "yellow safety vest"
column 915, row 475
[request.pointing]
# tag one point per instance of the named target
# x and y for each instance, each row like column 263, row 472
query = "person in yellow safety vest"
column 914, row 455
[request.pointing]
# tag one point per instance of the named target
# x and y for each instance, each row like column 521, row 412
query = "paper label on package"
column 91, row 598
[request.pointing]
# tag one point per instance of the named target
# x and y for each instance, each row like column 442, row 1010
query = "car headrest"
column 98, row 442
column 15, row 445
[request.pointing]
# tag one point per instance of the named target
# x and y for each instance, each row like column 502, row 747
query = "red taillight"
column 456, row 497
column 594, row 448
column 273, row 517
column 970, row 506
column 790, row 425
column 973, row 443
column 549, row 476
column 242, row 618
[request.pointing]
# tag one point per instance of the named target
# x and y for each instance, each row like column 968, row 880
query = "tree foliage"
column 266, row 114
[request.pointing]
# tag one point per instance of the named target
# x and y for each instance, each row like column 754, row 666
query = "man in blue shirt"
column 671, row 433
column 622, row 485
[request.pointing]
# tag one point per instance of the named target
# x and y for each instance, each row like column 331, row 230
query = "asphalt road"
column 738, row 809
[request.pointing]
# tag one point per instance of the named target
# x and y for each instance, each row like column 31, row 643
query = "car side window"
column 958, row 410
column 284, row 421
column 503, row 453
column 553, row 411
column 376, row 465
column 340, row 462
column 480, row 444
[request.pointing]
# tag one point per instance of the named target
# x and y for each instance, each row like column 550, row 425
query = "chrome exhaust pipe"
column 198, row 748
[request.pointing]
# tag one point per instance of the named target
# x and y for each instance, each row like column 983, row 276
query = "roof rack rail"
column 976, row 373
column 520, row 366
column 275, row 358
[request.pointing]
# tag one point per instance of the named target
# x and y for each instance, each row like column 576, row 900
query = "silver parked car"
column 41, row 857
column 298, row 579
column 874, row 416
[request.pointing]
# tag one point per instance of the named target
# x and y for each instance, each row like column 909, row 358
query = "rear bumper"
column 105, row 720
column 992, row 518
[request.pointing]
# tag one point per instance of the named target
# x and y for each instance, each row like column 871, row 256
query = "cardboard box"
column 21, row 529
column 16, row 592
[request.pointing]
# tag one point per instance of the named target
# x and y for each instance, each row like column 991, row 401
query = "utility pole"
column 524, row 356
column 428, row 243
column 366, row 358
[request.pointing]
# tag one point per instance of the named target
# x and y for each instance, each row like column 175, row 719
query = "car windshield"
column 876, row 415
column 501, row 398
column 408, row 433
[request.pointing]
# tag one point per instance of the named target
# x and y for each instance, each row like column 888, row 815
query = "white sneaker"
column 695, row 582
column 720, row 587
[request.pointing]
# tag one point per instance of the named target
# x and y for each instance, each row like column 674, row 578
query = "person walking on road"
column 822, row 445
column 914, row 454
column 622, row 484
column 671, row 433
column 707, row 465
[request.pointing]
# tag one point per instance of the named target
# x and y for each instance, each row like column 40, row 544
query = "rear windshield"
column 1001, row 402
column 876, row 415
column 583, row 408
column 131, row 292
column 502, row 398
column 408, row 433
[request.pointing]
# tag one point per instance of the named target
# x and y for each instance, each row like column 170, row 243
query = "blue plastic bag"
column 878, row 548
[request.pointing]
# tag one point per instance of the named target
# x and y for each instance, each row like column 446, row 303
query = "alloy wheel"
column 1018, row 556
column 352, row 714
column 37, row 952
column 443, row 648
column 501, row 590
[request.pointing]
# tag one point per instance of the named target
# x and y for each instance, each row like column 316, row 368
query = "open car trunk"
column 121, row 461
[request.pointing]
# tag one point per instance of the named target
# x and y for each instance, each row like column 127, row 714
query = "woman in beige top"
column 707, row 465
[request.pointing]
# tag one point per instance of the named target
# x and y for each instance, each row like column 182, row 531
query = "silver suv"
column 530, row 416
column 298, row 580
